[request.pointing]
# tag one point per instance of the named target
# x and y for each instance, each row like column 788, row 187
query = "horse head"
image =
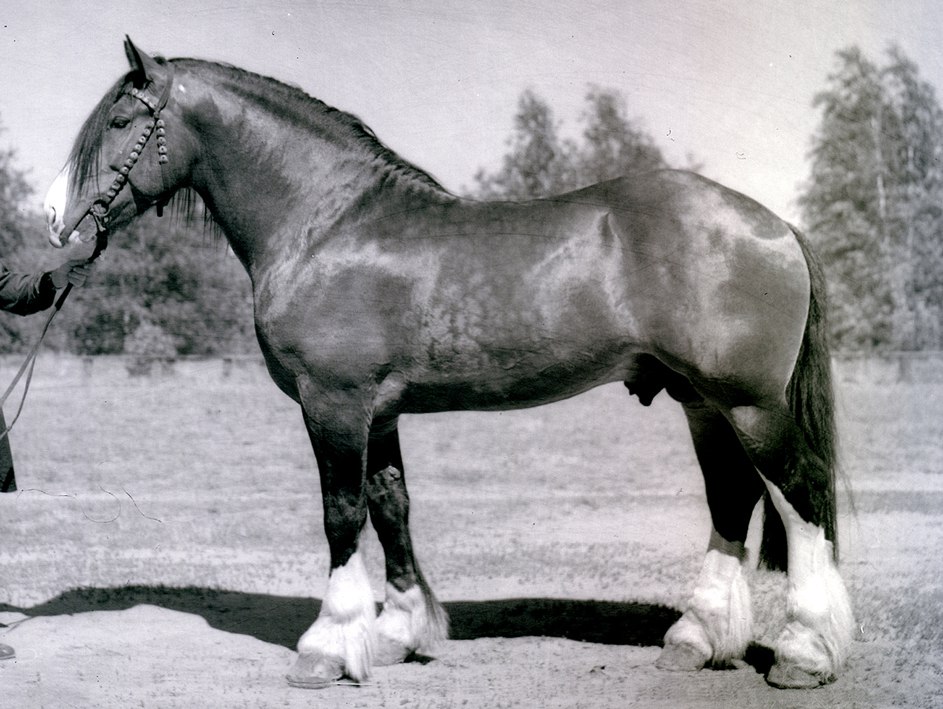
column 132, row 153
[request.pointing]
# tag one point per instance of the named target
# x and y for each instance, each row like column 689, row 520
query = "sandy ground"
column 164, row 553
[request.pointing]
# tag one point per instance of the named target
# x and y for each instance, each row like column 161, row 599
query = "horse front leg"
column 412, row 619
column 340, row 642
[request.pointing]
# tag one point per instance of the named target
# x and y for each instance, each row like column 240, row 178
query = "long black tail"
column 811, row 398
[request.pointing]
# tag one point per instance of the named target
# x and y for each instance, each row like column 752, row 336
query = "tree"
column 536, row 163
column 918, row 162
column 612, row 144
column 14, row 190
column 17, row 250
column 539, row 164
column 844, row 204
column 165, row 284
column 872, row 203
column 162, row 285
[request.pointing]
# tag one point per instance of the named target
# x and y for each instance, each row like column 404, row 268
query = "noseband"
column 98, row 208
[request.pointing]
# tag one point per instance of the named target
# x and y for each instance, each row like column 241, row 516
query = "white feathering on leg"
column 345, row 627
column 407, row 620
column 820, row 625
column 719, row 618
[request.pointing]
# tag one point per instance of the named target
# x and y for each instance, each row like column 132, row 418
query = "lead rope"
column 101, row 241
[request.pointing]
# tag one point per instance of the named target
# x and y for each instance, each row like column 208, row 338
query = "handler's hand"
column 75, row 272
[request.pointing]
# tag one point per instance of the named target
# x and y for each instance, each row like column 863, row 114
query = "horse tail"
column 811, row 399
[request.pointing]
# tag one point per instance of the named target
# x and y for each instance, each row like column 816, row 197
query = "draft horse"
column 377, row 293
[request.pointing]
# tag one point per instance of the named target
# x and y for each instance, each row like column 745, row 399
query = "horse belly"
column 522, row 346
column 511, row 382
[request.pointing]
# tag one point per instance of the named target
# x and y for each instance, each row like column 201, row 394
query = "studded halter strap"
column 99, row 207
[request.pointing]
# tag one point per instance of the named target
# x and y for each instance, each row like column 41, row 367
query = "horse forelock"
column 85, row 157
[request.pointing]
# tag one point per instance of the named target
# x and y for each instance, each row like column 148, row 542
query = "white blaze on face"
column 54, row 207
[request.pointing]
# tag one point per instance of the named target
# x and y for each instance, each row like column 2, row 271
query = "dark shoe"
column 8, row 482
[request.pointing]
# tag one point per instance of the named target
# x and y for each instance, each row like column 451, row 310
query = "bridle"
column 98, row 208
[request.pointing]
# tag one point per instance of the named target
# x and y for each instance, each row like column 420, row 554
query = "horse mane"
column 295, row 105
column 291, row 103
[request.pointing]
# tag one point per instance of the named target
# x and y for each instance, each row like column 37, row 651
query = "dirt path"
column 153, row 657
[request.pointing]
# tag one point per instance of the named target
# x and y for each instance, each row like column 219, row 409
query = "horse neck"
column 273, row 182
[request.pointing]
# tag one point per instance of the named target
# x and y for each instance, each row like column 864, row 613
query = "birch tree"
column 872, row 204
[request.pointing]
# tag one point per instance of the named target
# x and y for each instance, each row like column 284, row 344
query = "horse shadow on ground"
column 281, row 620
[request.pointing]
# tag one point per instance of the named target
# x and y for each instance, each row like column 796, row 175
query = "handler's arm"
column 25, row 294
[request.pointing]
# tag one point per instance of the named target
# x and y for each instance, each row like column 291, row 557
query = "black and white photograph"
column 474, row 355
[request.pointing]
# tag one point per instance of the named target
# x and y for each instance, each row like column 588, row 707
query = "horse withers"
column 379, row 293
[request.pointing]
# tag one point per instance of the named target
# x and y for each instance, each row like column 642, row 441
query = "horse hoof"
column 681, row 657
column 785, row 675
column 389, row 652
column 315, row 671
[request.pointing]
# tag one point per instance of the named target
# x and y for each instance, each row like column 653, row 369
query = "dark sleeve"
column 25, row 294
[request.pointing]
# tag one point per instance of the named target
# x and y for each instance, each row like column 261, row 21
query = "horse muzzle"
column 54, row 207
column 58, row 231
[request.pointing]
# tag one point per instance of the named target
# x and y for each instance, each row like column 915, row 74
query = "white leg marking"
column 345, row 627
column 407, row 624
column 718, row 621
column 820, row 622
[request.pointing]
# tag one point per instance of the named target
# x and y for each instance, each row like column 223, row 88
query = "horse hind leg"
column 412, row 619
column 813, row 646
column 716, row 626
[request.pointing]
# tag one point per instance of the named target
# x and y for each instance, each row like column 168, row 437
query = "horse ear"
column 142, row 65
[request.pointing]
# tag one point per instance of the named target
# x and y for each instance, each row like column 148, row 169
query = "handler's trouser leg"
column 7, row 478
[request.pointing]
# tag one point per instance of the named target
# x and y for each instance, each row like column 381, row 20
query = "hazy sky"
column 728, row 82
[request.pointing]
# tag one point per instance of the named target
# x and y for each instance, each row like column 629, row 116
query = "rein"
column 98, row 209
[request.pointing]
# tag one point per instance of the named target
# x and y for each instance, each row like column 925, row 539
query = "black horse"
column 378, row 293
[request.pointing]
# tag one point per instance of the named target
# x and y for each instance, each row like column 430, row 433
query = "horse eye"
column 119, row 122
